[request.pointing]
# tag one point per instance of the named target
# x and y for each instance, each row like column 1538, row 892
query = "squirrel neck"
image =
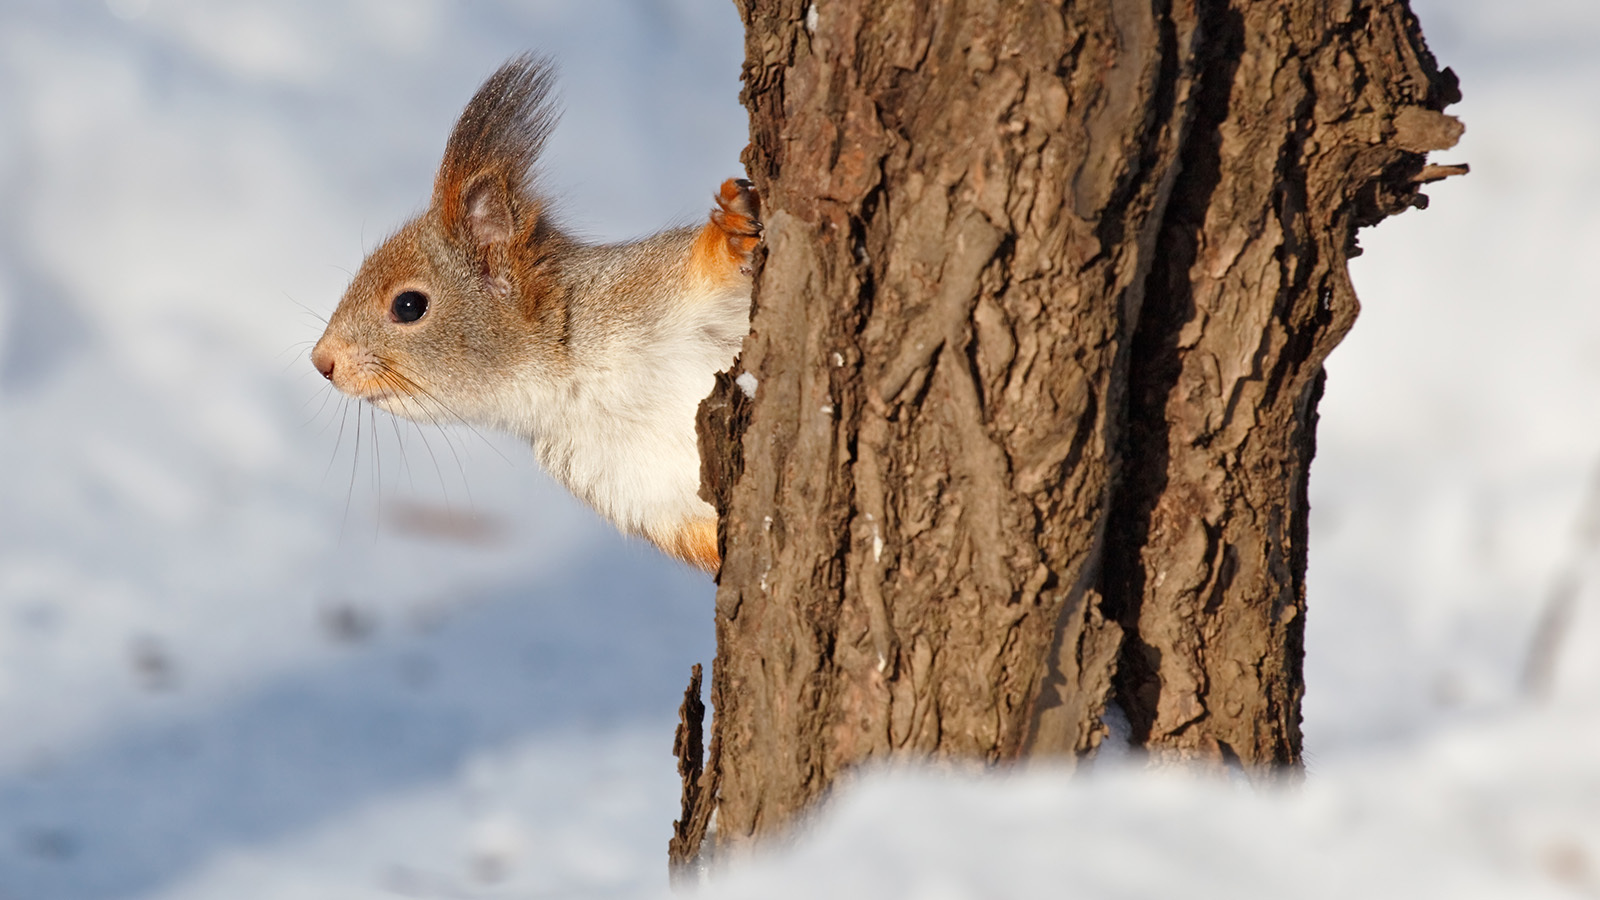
column 615, row 308
column 614, row 329
column 613, row 391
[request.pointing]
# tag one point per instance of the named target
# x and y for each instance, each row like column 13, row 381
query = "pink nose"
column 322, row 358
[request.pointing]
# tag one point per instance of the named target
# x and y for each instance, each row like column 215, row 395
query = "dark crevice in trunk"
column 1155, row 367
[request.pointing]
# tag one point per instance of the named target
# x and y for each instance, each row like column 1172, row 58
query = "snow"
column 259, row 643
column 1359, row 832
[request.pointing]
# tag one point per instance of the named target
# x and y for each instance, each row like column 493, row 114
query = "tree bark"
column 1038, row 342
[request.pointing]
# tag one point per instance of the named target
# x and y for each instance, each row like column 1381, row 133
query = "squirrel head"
column 466, row 295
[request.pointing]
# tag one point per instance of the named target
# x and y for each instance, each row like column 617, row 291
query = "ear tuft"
column 483, row 191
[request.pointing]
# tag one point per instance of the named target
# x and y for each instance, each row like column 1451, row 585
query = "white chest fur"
column 619, row 429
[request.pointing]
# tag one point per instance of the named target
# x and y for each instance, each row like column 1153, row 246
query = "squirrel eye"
column 408, row 306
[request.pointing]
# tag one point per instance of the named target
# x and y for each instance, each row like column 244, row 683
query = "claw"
column 738, row 215
column 727, row 244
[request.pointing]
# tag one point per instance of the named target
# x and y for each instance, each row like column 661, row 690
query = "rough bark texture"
column 689, row 831
column 1038, row 340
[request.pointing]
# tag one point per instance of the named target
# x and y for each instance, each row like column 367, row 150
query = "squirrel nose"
column 322, row 358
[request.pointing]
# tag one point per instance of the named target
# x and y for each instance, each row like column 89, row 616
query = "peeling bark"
column 1039, row 340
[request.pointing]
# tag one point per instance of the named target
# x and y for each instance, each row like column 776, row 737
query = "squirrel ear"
column 483, row 191
column 486, row 211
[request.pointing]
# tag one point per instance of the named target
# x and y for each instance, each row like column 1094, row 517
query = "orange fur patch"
column 695, row 543
column 722, row 250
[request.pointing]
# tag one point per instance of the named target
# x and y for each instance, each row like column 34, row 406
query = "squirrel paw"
column 738, row 217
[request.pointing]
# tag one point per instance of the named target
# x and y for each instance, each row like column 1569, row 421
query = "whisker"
column 344, row 416
column 405, row 464
column 327, row 393
column 409, row 386
column 377, row 470
column 355, row 458
column 339, row 415
column 411, row 382
column 455, row 454
column 437, row 470
column 293, row 348
column 306, row 309
column 416, row 393
column 398, row 383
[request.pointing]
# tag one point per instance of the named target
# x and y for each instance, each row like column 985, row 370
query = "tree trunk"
column 1038, row 342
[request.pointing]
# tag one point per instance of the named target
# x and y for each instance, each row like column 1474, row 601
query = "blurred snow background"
column 246, row 653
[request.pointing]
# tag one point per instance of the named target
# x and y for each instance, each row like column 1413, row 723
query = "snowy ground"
column 231, row 669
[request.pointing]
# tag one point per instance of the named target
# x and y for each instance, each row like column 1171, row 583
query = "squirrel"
column 482, row 310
